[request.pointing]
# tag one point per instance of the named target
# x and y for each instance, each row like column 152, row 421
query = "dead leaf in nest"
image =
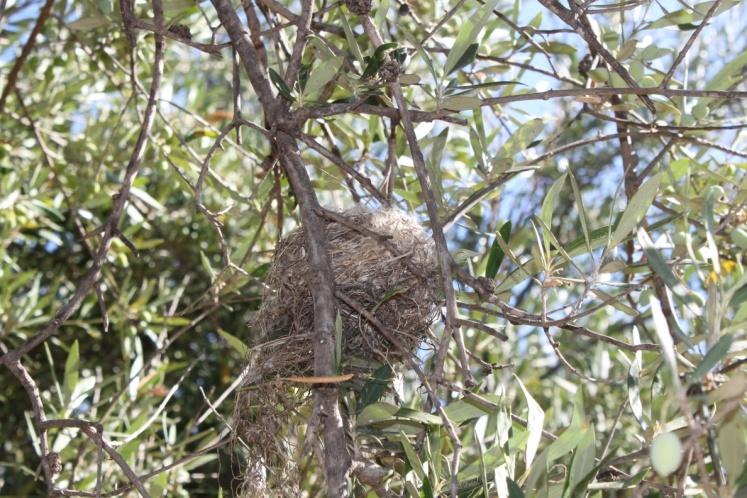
column 326, row 379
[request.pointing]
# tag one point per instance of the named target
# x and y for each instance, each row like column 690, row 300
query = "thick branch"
column 336, row 458
column 583, row 27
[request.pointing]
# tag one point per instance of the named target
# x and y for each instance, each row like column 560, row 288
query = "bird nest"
column 386, row 277
column 383, row 263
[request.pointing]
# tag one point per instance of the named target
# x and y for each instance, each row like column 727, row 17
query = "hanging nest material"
column 384, row 262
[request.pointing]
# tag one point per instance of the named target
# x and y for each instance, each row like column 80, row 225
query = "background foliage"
column 619, row 277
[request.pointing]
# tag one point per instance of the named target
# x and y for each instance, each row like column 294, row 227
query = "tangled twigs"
column 95, row 432
column 12, row 358
column 119, row 201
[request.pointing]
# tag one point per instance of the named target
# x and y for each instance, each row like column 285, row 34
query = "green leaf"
column 207, row 266
column 548, row 204
column 487, row 84
column 282, row 88
column 234, row 342
column 514, row 491
column 377, row 412
column 715, row 354
column 496, row 254
column 375, row 387
column 634, row 384
column 461, row 103
column 350, row 36
column 467, row 408
column 320, row 75
column 565, row 443
column 387, row 414
column 732, row 445
column 657, row 263
column 583, row 216
column 418, row 416
column 725, row 78
column 71, row 371
column 483, row 470
column 467, row 58
column 147, row 198
column 519, row 141
column 636, row 210
column 583, row 459
column 468, row 35
column 89, row 23
column 599, row 238
column 434, row 165
column 535, row 422
column 712, row 195
column 412, row 456
column 665, row 338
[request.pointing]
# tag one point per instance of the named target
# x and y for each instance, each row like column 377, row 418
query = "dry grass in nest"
column 396, row 281
column 383, row 261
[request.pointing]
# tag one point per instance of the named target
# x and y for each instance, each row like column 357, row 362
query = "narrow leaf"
column 320, row 76
column 234, row 342
column 468, row 35
column 583, row 217
column 282, row 88
column 412, row 456
column 461, row 103
column 636, row 210
column 467, row 58
column 71, row 370
column 664, row 336
column 496, row 254
column 375, row 387
column 535, row 421
column 715, row 354
column 548, row 205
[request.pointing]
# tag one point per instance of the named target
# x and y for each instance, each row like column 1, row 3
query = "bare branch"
column 694, row 36
column 95, row 432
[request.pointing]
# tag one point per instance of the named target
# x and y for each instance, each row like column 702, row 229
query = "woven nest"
column 384, row 262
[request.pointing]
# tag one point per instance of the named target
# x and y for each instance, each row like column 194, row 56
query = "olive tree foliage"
column 580, row 166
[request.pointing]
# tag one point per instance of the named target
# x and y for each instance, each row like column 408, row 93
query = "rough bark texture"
column 285, row 130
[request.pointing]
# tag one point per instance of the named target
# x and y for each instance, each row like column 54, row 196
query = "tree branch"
column 336, row 458
column 95, row 433
column 120, row 199
column 25, row 52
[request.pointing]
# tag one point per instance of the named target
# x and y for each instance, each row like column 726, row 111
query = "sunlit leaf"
column 636, row 210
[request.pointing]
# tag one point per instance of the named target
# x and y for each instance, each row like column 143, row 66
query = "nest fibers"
column 384, row 262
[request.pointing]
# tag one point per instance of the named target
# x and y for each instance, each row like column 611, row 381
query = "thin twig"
column 10, row 81
column 694, row 36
